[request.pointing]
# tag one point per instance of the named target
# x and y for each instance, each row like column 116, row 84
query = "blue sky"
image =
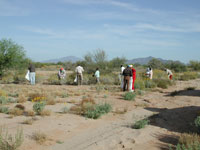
column 47, row 29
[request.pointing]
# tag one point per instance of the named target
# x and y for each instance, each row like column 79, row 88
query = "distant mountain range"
column 144, row 61
column 74, row 59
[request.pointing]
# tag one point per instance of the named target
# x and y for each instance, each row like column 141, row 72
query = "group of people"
column 127, row 75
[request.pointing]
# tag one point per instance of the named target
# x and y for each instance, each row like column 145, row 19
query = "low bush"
column 16, row 112
column 45, row 113
column 4, row 110
column 188, row 142
column 188, row 76
column 162, row 83
column 150, row 84
column 53, row 79
column 140, row 124
column 130, row 96
column 97, row 111
column 8, row 141
column 38, row 107
column 3, row 100
column 139, row 84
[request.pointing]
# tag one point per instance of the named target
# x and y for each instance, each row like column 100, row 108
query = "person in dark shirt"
column 127, row 73
column 31, row 69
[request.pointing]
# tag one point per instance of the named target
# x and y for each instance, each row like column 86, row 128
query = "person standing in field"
column 149, row 73
column 121, row 76
column 79, row 74
column 132, row 88
column 97, row 75
column 31, row 69
column 127, row 73
column 169, row 73
column 61, row 73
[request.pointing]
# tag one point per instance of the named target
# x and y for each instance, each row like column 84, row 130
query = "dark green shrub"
column 140, row 124
column 130, row 96
column 38, row 107
column 4, row 110
column 188, row 76
column 162, row 83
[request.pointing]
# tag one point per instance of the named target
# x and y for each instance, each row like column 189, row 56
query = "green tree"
column 12, row 55
column 155, row 63
column 117, row 62
column 177, row 66
column 195, row 65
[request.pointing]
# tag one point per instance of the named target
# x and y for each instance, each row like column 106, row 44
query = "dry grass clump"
column 45, row 112
column 30, row 113
column 39, row 137
column 28, row 121
column 121, row 110
column 21, row 99
column 16, row 112
column 3, row 93
column 10, row 141
column 21, row 107
column 188, row 142
column 50, row 102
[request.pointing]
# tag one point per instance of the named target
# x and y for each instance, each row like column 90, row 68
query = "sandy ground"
column 169, row 116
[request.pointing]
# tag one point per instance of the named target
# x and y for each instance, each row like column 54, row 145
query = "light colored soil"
column 169, row 116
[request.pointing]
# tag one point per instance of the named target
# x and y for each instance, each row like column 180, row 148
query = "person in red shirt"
column 134, row 77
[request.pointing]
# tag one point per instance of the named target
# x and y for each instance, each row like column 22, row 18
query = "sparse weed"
column 16, row 112
column 21, row 99
column 45, row 113
column 30, row 113
column 39, row 137
column 140, row 124
column 130, row 96
column 65, row 109
column 28, row 121
column 8, row 141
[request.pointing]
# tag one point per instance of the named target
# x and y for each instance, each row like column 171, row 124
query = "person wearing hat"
column 127, row 73
column 61, row 73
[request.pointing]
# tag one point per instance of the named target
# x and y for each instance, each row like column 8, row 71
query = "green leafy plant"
column 97, row 111
column 4, row 110
column 38, row 107
column 3, row 100
column 130, row 96
column 140, row 124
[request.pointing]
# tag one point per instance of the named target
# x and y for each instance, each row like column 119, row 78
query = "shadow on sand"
column 185, row 93
column 177, row 120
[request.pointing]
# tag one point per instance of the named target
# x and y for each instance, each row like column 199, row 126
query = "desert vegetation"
column 52, row 99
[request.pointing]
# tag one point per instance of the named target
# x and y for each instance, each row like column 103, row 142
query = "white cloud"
column 11, row 9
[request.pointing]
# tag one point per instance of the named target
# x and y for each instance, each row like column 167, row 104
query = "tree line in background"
column 13, row 57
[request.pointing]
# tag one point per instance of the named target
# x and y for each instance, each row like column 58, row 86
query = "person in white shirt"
column 97, row 75
column 61, row 73
column 121, row 76
column 79, row 74
column 169, row 73
column 149, row 73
